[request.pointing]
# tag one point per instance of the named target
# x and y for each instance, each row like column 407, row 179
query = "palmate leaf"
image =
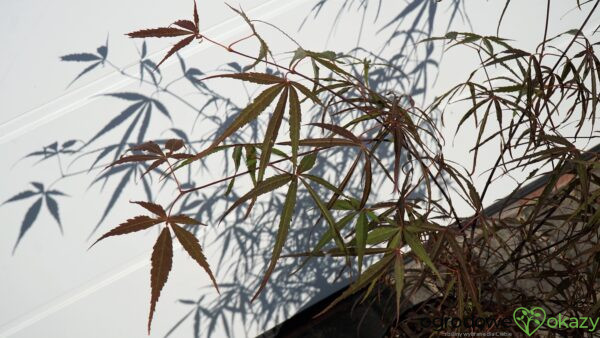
column 260, row 103
column 189, row 28
column 284, row 224
column 328, row 235
column 162, row 260
column 251, row 112
column 162, row 255
column 326, row 238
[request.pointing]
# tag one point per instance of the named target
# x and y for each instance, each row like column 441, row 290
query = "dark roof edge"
column 520, row 193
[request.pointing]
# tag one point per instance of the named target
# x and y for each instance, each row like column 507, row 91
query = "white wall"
column 53, row 286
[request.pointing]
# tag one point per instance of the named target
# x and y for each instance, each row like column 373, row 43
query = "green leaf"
column 299, row 54
column 307, row 92
column 295, row 122
column 284, row 224
column 251, row 160
column 327, row 59
column 271, row 134
column 261, row 188
column 328, row 142
column 343, row 205
column 419, row 250
column 252, row 111
column 326, row 184
column 237, row 158
column 399, row 279
column 381, row 234
column 280, row 153
column 327, row 215
column 307, row 162
column 328, row 236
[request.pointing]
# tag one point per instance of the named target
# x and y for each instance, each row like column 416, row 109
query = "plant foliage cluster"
column 537, row 108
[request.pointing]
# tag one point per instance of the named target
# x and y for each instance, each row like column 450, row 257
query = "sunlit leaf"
column 286, row 218
column 271, row 134
column 252, row 111
column 261, row 188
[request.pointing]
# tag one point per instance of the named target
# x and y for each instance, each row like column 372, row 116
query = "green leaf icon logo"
column 529, row 320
